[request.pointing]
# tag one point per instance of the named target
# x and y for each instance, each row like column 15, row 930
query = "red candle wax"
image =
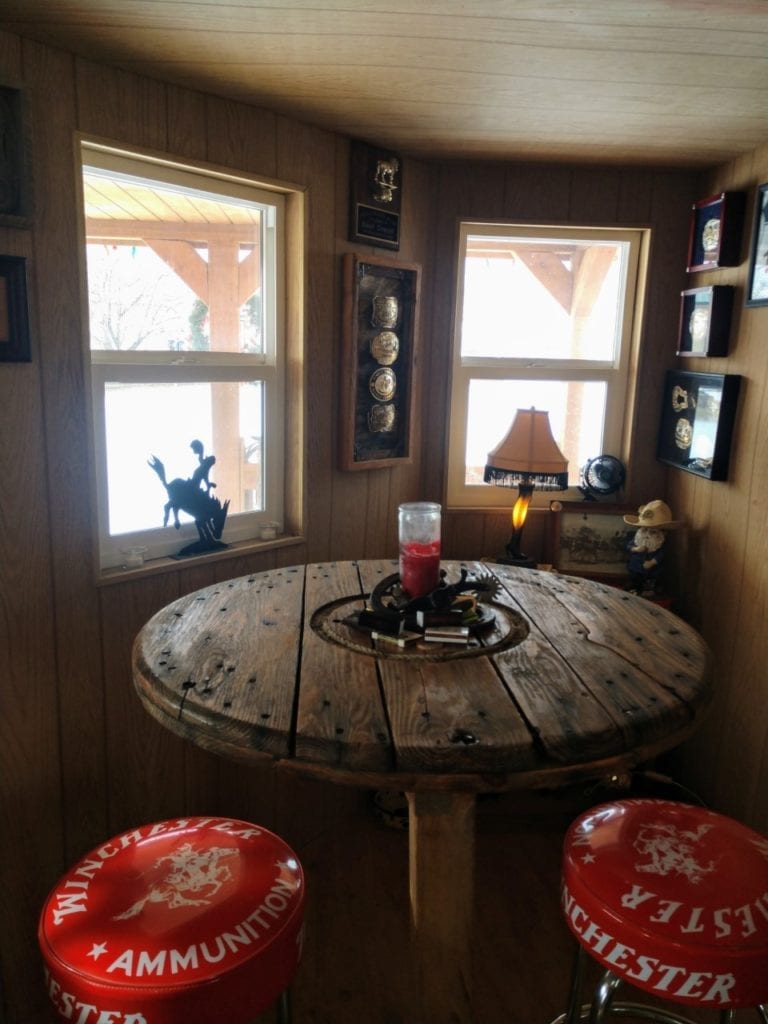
column 419, row 567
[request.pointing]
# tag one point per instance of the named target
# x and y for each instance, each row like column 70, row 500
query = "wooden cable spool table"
column 571, row 680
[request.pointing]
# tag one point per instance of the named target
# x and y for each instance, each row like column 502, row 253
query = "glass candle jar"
column 419, row 535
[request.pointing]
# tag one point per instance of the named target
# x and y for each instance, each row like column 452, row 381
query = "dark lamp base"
column 522, row 561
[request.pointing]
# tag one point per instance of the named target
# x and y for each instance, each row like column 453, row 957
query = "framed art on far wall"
column 715, row 232
column 705, row 321
column 14, row 314
column 378, row 365
column 15, row 159
column 376, row 191
column 757, row 282
column 590, row 538
column 697, row 419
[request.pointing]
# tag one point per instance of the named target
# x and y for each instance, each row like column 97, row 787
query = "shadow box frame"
column 601, row 553
column 713, row 335
column 15, row 158
column 14, row 311
column 699, row 405
column 379, row 362
column 721, row 215
column 758, row 260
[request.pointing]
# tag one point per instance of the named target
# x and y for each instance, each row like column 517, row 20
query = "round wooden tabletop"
column 571, row 679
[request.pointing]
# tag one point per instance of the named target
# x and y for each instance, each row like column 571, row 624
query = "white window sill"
column 156, row 566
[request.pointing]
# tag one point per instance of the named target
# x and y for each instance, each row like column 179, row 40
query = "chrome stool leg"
column 573, row 1014
column 601, row 1004
column 284, row 1008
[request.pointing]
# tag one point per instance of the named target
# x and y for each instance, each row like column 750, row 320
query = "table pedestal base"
column 441, row 865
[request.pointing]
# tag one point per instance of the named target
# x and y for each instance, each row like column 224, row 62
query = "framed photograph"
column 757, row 282
column 705, row 321
column 378, row 365
column 376, row 190
column 590, row 538
column 14, row 315
column 715, row 233
column 697, row 419
column 15, row 159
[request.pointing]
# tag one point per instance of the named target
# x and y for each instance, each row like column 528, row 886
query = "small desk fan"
column 601, row 476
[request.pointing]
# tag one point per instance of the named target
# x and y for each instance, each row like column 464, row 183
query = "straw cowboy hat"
column 656, row 515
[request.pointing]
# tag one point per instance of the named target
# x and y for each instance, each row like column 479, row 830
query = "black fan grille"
column 603, row 475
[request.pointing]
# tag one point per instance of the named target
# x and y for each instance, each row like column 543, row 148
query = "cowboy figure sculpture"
column 193, row 496
column 648, row 546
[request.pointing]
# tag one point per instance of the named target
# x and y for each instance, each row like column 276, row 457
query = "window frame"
column 617, row 373
column 282, row 501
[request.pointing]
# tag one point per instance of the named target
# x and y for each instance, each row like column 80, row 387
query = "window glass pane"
column 576, row 414
column 172, row 268
column 530, row 298
column 161, row 420
column 251, row 312
column 137, row 303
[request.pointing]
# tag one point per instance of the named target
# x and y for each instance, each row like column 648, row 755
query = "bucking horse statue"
column 194, row 497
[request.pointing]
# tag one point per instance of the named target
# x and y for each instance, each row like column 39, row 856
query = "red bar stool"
column 180, row 922
column 672, row 899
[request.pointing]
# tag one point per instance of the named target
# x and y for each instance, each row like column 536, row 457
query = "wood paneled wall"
column 722, row 571
column 79, row 758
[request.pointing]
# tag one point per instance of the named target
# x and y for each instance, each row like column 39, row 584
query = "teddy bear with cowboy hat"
column 647, row 547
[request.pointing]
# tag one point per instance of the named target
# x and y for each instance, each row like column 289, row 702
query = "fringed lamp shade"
column 526, row 458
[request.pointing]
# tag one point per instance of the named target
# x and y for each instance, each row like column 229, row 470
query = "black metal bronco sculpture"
column 193, row 496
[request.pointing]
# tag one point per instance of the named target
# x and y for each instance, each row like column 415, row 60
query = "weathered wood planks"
column 242, row 668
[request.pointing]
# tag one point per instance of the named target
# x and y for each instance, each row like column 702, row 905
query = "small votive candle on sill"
column 268, row 531
column 419, row 535
column 134, row 557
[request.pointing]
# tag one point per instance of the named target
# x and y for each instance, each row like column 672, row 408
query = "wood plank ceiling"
column 675, row 82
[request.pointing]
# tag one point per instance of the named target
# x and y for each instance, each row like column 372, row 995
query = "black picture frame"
column 715, row 231
column 378, row 364
column 14, row 314
column 757, row 282
column 15, row 158
column 697, row 421
column 376, row 191
column 705, row 321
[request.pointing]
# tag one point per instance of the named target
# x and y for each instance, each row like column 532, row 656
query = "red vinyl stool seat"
column 672, row 899
column 190, row 921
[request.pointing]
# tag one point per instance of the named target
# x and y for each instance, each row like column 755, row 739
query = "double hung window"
column 545, row 318
column 185, row 279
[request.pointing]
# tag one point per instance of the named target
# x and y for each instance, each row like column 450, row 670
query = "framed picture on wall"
column 376, row 192
column 757, row 282
column 697, row 419
column 14, row 314
column 705, row 321
column 715, row 231
column 378, row 364
column 15, row 159
column 590, row 538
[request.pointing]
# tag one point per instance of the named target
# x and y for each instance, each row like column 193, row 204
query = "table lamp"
column 527, row 457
